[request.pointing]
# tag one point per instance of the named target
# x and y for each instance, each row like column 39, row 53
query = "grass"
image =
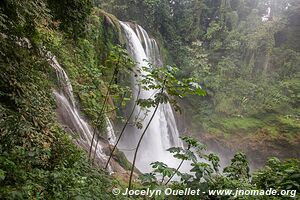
column 274, row 124
column 237, row 125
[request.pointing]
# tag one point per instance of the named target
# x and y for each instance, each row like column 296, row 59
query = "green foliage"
column 165, row 79
column 162, row 169
column 279, row 175
column 121, row 159
column 162, row 79
column 21, row 17
column 38, row 160
column 71, row 15
column 239, row 167
column 247, row 66
column 214, row 159
column 237, row 124
column 243, row 71
column 94, row 65
column 148, row 179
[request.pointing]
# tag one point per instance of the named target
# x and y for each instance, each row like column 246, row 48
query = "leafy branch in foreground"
column 163, row 79
column 203, row 166
column 185, row 154
column 204, row 173
column 239, row 168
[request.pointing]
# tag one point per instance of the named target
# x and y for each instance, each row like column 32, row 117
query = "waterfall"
column 111, row 137
column 69, row 113
column 67, row 110
column 162, row 132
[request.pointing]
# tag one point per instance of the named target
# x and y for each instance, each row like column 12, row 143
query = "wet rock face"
column 258, row 147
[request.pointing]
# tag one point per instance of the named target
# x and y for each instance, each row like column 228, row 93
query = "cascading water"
column 111, row 137
column 162, row 132
column 67, row 111
column 69, row 114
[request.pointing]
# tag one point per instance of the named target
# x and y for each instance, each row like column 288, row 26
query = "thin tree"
column 123, row 129
column 142, row 136
column 100, row 117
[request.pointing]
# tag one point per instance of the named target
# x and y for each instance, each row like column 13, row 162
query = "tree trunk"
column 138, row 145
column 101, row 112
column 123, row 130
column 141, row 138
